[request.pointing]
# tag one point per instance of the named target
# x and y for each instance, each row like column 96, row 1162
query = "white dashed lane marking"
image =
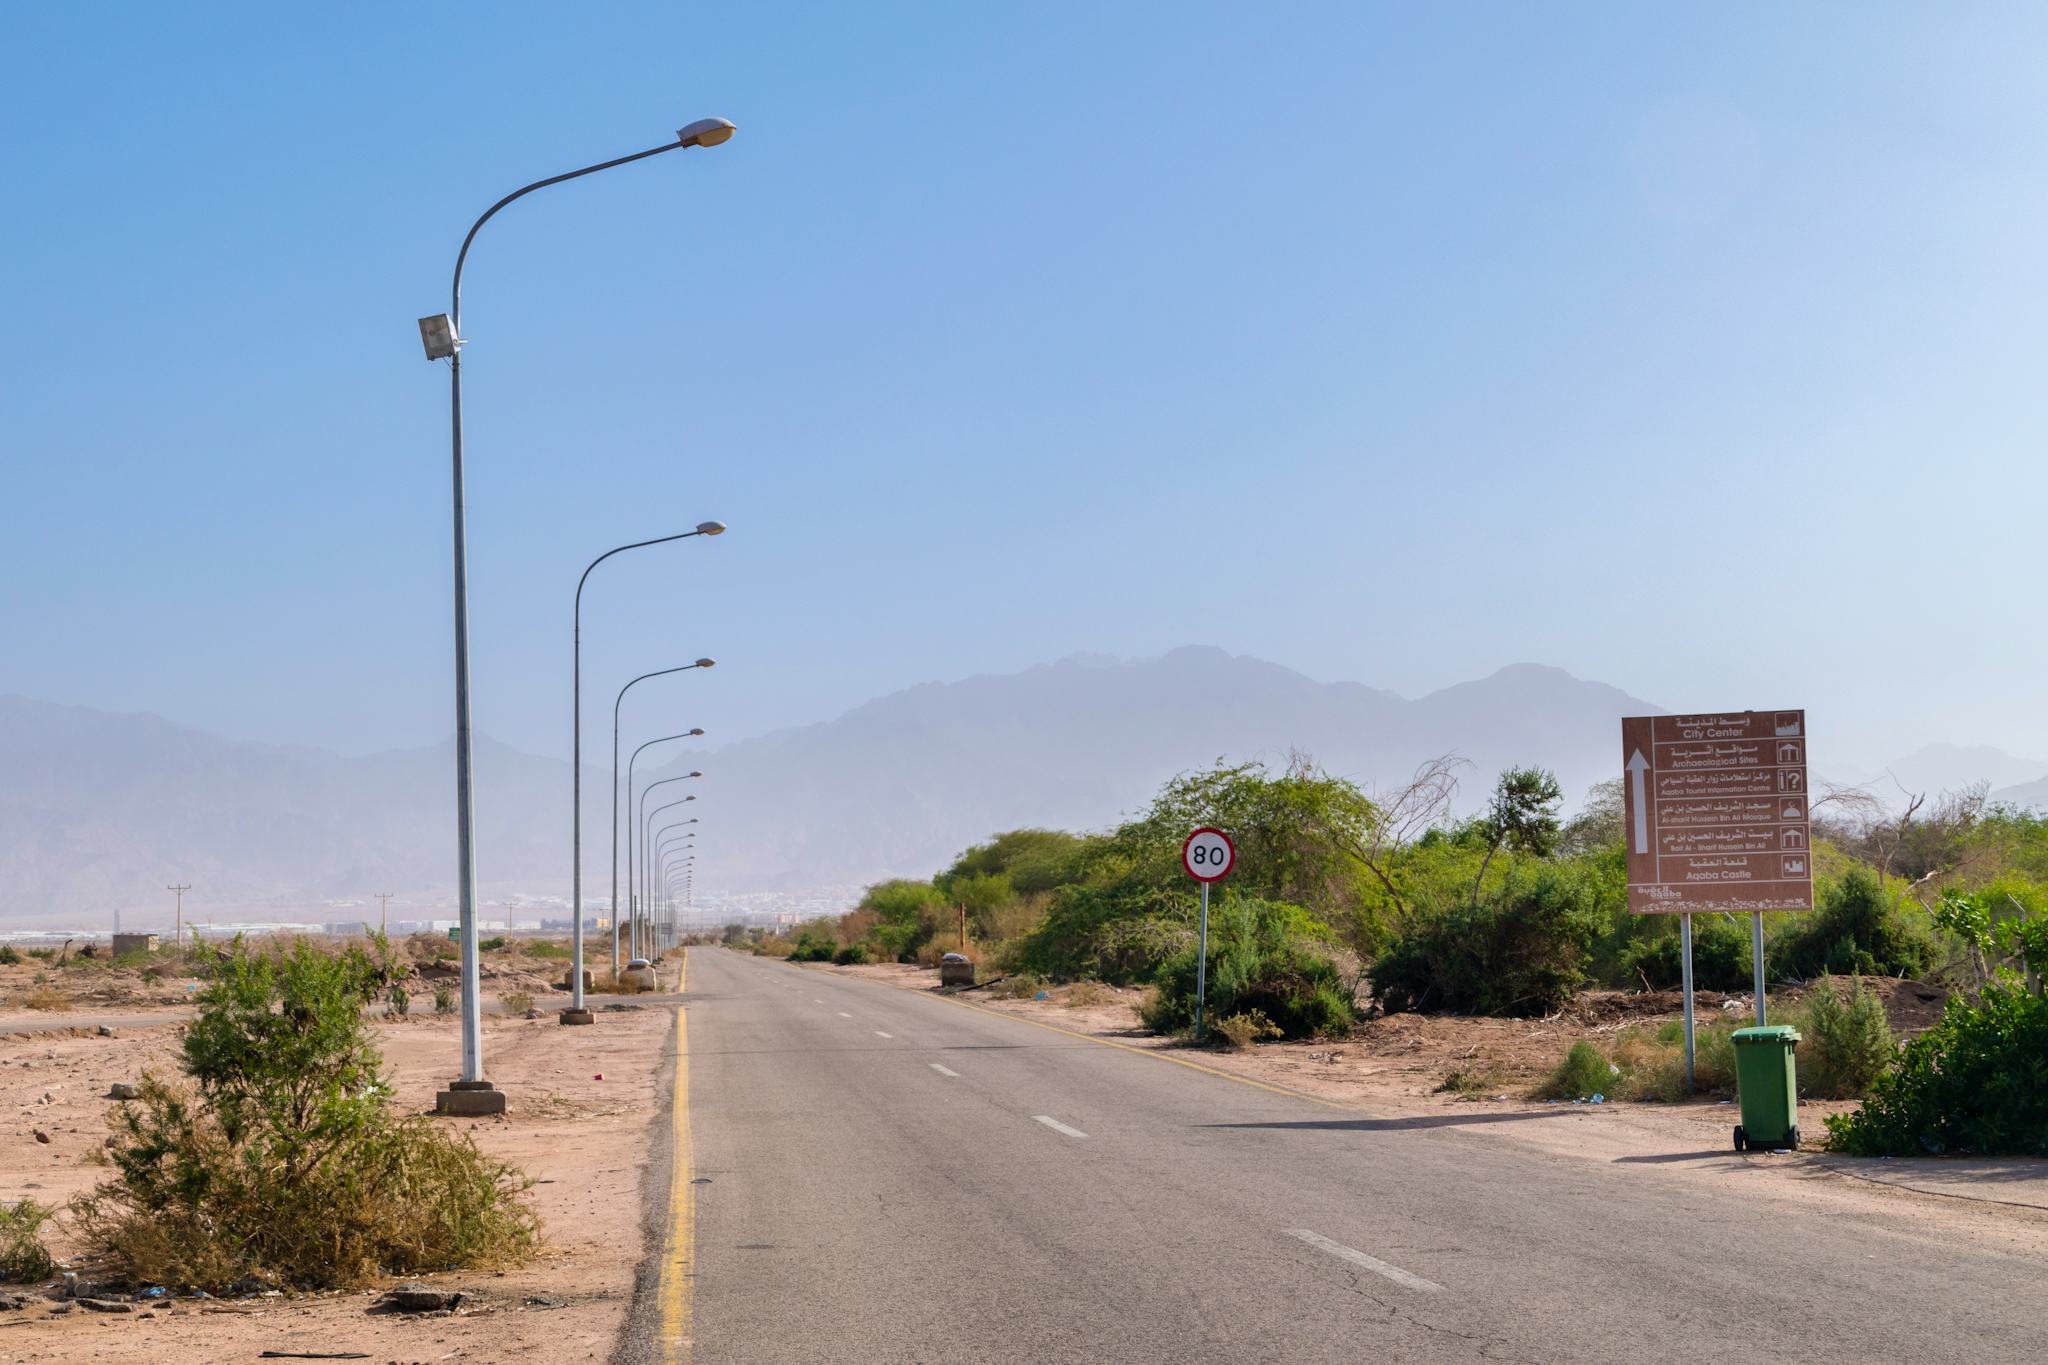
column 1359, row 1258
column 880, row 1034
column 1058, row 1127
column 943, row 1070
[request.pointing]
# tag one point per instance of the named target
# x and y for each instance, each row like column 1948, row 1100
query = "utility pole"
column 383, row 912
column 178, row 924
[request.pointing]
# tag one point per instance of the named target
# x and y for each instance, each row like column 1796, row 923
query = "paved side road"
column 876, row 1175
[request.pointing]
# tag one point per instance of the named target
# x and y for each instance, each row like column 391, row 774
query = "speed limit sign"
column 1208, row 855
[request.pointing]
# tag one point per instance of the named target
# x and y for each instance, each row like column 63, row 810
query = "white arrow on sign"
column 1637, row 766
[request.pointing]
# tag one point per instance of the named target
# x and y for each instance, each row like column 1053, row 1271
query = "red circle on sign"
column 1203, row 859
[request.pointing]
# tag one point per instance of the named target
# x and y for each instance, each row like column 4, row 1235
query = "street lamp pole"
column 577, row 1013
column 616, row 704
column 471, row 1094
column 687, row 734
column 643, row 822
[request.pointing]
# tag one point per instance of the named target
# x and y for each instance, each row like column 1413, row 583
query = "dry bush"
column 1239, row 1031
column 516, row 1002
column 45, row 998
column 1022, row 986
column 1082, row 994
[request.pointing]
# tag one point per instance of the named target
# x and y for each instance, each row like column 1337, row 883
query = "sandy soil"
column 585, row 1141
column 1393, row 1065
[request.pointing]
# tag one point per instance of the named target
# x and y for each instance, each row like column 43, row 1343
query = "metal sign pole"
column 1202, row 965
column 1685, row 975
column 1756, row 955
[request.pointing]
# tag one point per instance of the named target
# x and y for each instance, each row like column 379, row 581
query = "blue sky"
column 1698, row 353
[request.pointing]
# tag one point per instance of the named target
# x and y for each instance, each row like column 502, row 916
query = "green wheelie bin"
column 1769, row 1086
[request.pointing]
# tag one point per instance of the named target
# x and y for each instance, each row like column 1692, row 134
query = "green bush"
column 541, row 947
column 445, row 997
column 1975, row 1082
column 1720, row 957
column 23, row 1257
column 852, row 955
column 1264, row 956
column 1523, row 953
column 1845, row 1042
column 490, row 945
column 1582, row 1074
column 400, row 1002
column 8, row 955
column 813, row 950
column 1855, row 930
column 281, row 1156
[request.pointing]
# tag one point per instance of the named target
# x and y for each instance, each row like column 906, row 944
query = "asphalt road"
column 875, row 1175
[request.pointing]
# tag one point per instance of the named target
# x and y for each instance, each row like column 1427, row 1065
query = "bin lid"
column 1765, row 1033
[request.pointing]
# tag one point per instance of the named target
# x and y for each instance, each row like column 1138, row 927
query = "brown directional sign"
column 1715, row 811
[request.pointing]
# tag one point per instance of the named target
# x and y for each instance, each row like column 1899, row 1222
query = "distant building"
column 125, row 944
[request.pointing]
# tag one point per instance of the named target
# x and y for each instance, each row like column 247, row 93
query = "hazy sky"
column 1700, row 354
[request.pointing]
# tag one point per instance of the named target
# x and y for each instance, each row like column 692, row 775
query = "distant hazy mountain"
column 1953, row 767
column 99, row 809
column 901, row 784
column 2033, row 794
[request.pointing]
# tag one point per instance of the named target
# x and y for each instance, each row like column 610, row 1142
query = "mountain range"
column 99, row 810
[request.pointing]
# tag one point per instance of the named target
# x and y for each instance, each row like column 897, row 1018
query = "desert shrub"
column 1021, row 986
column 42, row 954
column 1265, row 956
column 1845, row 1042
column 445, row 997
column 1856, row 929
column 490, row 945
column 852, row 955
column 8, row 955
column 1239, row 1031
column 541, row 947
column 1522, row 953
column 23, row 1257
column 279, row 1154
column 1084, row 993
column 1469, row 1082
column 516, row 1002
column 45, row 998
column 400, row 1002
column 1582, row 1074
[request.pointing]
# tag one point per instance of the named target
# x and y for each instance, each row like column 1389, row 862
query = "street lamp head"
column 696, row 732
column 707, row 663
column 710, row 528
column 696, row 774
column 437, row 334
column 705, row 132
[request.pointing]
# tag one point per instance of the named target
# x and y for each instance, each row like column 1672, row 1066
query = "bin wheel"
column 1792, row 1138
column 1740, row 1141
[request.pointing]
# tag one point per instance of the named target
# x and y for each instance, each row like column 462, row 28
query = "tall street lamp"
column 576, row 1013
column 684, row 845
column 686, row 734
column 616, row 704
column 645, row 823
column 443, row 339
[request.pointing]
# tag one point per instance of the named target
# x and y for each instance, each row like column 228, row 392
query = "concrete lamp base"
column 578, row 1017
column 470, row 1099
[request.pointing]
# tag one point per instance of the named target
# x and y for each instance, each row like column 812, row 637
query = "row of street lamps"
column 441, row 334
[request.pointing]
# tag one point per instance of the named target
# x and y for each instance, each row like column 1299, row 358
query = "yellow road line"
column 1156, row 1055
column 678, row 1265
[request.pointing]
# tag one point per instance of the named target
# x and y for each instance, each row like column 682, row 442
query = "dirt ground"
column 585, row 1140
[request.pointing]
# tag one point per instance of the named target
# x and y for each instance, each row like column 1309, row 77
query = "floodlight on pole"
column 441, row 337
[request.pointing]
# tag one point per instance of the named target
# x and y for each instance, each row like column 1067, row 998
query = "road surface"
column 866, row 1174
